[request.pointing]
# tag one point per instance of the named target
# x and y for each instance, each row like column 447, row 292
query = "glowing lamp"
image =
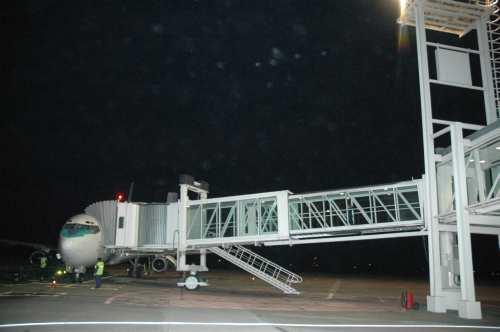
column 120, row 197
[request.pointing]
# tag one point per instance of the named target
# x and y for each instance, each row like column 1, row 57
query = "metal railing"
column 260, row 267
column 494, row 48
column 362, row 208
column 253, row 216
column 265, row 265
column 495, row 189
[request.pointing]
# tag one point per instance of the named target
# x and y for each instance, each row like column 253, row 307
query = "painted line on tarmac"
column 334, row 289
column 174, row 323
column 108, row 288
column 85, row 286
column 111, row 299
column 10, row 294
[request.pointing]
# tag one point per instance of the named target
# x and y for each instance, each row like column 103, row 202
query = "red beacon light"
column 120, row 197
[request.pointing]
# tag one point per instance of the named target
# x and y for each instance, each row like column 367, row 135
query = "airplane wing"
column 36, row 246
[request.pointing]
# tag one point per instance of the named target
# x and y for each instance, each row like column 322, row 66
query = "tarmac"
column 233, row 301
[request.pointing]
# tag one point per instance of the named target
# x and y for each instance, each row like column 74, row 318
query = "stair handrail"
column 227, row 255
column 293, row 277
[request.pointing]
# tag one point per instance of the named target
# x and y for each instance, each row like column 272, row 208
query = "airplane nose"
column 80, row 241
column 64, row 244
column 80, row 250
column 68, row 248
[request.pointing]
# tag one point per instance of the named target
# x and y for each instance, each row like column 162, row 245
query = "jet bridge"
column 222, row 225
column 391, row 210
column 135, row 226
column 386, row 209
column 467, row 187
column 481, row 170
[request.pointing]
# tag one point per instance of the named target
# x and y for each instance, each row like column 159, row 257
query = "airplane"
column 81, row 243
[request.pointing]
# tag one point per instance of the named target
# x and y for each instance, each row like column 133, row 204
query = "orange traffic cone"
column 410, row 303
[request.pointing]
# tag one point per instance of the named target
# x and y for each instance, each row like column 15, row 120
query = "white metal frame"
column 459, row 18
column 182, row 247
column 270, row 208
column 368, row 208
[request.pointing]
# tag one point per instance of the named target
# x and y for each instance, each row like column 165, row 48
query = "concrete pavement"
column 326, row 303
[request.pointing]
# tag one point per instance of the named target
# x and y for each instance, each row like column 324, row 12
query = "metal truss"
column 234, row 218
column 493, row 28
column 258, row 218
column 365, row 210
column 480, row 157
column 451, row 16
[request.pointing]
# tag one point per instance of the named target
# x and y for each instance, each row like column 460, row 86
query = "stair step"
column 273, row 275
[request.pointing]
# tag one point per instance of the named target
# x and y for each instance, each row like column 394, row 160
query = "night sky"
column 251, row 97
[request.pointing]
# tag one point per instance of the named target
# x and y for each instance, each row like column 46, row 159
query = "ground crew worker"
column 43, row 267
column 99, row 271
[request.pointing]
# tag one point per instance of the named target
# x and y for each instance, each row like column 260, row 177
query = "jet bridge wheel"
column 191, row 283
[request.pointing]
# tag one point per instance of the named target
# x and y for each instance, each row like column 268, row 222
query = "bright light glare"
column 402, row 6
column 482, row 161
column 403, row 36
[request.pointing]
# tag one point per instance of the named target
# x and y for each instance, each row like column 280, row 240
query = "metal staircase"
column 494, row 43
column 260, row 267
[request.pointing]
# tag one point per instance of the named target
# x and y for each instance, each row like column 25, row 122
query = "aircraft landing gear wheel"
column 191, row 283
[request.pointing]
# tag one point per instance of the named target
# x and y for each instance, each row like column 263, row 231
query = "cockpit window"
column 72, row 230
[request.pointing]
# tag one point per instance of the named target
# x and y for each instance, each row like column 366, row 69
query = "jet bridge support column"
column 181, row 248
column 203, row 259
column 450, row 273
column 467, row 306
column 188, row 184
column 436, row 301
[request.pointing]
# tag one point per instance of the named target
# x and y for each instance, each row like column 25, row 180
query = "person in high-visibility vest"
column 99, row 271
column 43, row 267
